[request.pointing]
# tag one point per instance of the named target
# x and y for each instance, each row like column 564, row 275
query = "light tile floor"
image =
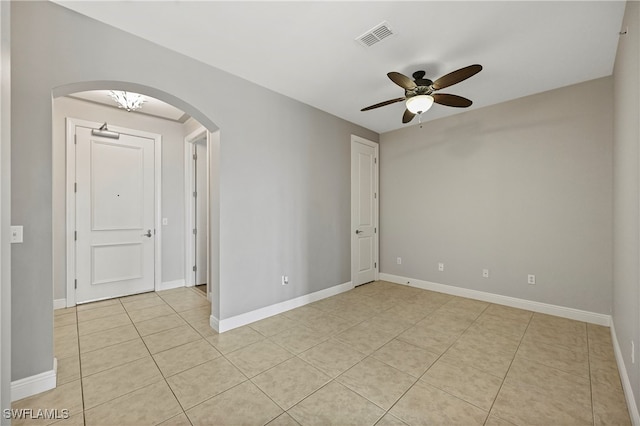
column 380, row 354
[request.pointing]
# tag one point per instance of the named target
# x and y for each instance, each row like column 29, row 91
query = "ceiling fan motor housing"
column 423, row 87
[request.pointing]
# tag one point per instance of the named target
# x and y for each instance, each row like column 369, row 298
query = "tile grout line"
column 84, row 419
column 593, row 413
column 437, row 359
column 509, row 368
column 150, row 355
column 387, row 411
column 331, row 379
column 156, row 364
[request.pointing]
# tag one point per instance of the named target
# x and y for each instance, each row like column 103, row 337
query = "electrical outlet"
column 165, row 221
column 485, row 273
column 531, row 279
column 285, row 280
column 440, row 266
column 399, row 261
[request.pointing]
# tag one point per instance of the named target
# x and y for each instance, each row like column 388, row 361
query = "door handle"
column 148, row 234
column 358, row 231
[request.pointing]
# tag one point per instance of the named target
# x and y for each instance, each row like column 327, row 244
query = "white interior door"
column 114, row 215
column 364, row 211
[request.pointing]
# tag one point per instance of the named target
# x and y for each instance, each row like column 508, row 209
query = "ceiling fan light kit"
column 419, row 92
column 419, row 103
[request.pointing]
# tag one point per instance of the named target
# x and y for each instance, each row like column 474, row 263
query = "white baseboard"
column 168, row 285
column 33, row 385
column 624, row 378
column 214, row 323
column 59, row 304
column 544, row 308
column 247, row 318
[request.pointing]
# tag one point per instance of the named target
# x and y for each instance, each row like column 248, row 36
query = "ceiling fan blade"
column 451, row 100
column 402, row 80
column 408, row 116
column 381, row 104
column 456, row 76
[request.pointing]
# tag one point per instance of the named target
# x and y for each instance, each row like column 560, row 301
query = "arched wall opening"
column 213, row 160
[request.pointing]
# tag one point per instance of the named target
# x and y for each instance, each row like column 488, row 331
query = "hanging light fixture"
column 127, row 100
column 419, row 103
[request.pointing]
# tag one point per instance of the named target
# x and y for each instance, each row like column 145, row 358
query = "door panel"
column 365, row 188
column 115, row 198
column 363, row 212
column 116, row 262
column 366, row 254
column 125, row 181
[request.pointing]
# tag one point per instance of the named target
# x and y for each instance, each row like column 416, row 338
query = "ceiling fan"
column 419, row 92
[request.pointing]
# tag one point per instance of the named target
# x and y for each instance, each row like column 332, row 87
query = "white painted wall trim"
column 544, row 308
column 71, row 198
column 168, row 285
column 624, row 378
column 268, row 311
column 189, row 204
column 59, row 304
column 214, row 323
column 33, row 385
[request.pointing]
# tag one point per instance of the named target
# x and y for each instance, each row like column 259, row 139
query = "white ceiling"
column 306, row 50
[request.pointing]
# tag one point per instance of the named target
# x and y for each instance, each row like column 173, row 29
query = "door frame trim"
column 376, row 207
column 71, row 124
column 189, row 141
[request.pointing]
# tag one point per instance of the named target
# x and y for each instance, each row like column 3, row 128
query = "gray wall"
column 522, row 187
column 172, row 181
column 626, row 150
column 284, row 168
column 5, row 210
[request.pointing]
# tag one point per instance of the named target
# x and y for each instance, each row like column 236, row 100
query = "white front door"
column 364, row 211
column 114, row 215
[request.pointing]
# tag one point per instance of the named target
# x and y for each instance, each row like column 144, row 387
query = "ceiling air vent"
column 375, row 35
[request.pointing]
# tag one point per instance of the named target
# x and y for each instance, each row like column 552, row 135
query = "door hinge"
column 75, row 284
column 75, row 139
column 195, row 156
column 375, row 195
column 195, row 268
column 195, row 193
column 375, row 264
column 75, row 235
column 195, row 231
column 375, row 161
column 75, row 187
column 375, row 230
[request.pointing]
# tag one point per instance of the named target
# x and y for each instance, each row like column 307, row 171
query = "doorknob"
column 148, row 234
column 358, row 231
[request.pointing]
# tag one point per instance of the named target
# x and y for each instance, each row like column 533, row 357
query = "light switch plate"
column 16, row 234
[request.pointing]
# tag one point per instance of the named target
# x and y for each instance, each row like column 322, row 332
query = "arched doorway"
column 213, row 160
